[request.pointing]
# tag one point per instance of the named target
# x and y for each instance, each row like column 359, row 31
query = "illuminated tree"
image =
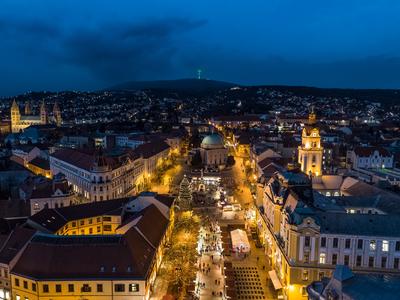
column 185, row 194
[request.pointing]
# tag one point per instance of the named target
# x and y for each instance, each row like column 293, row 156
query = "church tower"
column 28, row 110
column 310, row 151
column 43, row 114
column 15, row 116
column 57, row 114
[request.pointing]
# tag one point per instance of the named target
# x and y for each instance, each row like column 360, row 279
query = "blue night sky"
column 86, row 45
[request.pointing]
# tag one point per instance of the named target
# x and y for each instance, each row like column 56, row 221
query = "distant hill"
column 193, row 85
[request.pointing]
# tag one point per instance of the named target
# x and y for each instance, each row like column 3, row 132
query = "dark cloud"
column 111, row 52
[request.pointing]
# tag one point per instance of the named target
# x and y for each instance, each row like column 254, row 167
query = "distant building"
column 213, row 151
column 344, row 284
column 370, row 158
column 20, row 122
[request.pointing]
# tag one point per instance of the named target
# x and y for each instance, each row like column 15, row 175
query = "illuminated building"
column 306, row 235
column 20, row 122
column 98, row 176
column 62, row 262
column 11, row 246
column 212, row 151
column 43, row 193
column 311, row 151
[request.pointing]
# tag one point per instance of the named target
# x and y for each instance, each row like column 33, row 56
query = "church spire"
column 28, row 110
column 312, row 117
column 57, row 114
column 43, row 113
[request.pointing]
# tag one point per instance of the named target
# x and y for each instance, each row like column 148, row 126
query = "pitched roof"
column 88, row 159
column 148, row 150
column 62, row 257
column 54, row 219
column 152, row 224
column 15, row 242
column 359, row 224
column 368, row 151
column 41, row 163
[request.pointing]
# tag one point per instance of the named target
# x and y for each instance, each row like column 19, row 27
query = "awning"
column 275, row 280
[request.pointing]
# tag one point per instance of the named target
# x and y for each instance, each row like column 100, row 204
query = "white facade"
column 101, row 183
column 372, row 159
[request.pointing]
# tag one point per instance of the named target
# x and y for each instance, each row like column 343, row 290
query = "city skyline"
column 91, row 46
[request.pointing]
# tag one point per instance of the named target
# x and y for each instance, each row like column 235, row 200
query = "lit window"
column 385, row 246
column 134, row 287
column 322, row 258
column 372, row 245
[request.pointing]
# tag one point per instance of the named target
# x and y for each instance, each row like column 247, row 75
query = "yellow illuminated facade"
column 24, row 288
column 96, row 225
column 311, row 151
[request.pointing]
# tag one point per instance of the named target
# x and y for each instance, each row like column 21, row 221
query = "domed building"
column 213, row 151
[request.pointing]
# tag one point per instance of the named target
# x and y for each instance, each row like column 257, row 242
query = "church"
column 19, row 122
column 310, row 151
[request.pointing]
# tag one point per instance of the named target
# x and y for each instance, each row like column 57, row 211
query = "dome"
column 212, row 141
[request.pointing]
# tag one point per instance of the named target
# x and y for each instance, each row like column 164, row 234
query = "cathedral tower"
column 43, row 114
column 310, row 151
column 28, row 110
column 57, row 114
column 15, row 116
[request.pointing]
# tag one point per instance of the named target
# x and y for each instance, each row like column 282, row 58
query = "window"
column 323, row 242
column 90, row 221
column 106, row 219
column 335, row 242
column 82, row 222
column 372, row 245
column 99, row 288
column 16, row 282
column 359, row 261
column 385, row 246
column 304, row 275
column 58, row 288
column 45, row 288
column 90, row 230
column 73, row 224
column 347, row 244
column 398, row 246
column 383, row 262
column 359, row 244
column 307, row 241
column 34, row 287
column 321, row 275
column 25, row 283
column 396, row 263
column 71, row 288
column 119, row 287
column 86, row 288
column 134, row 287
column 322, row 258
column 98, row 229
column 334, row 259
column 371, row 261
column 98, row 220
column 107, row 227
column 346, row 260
